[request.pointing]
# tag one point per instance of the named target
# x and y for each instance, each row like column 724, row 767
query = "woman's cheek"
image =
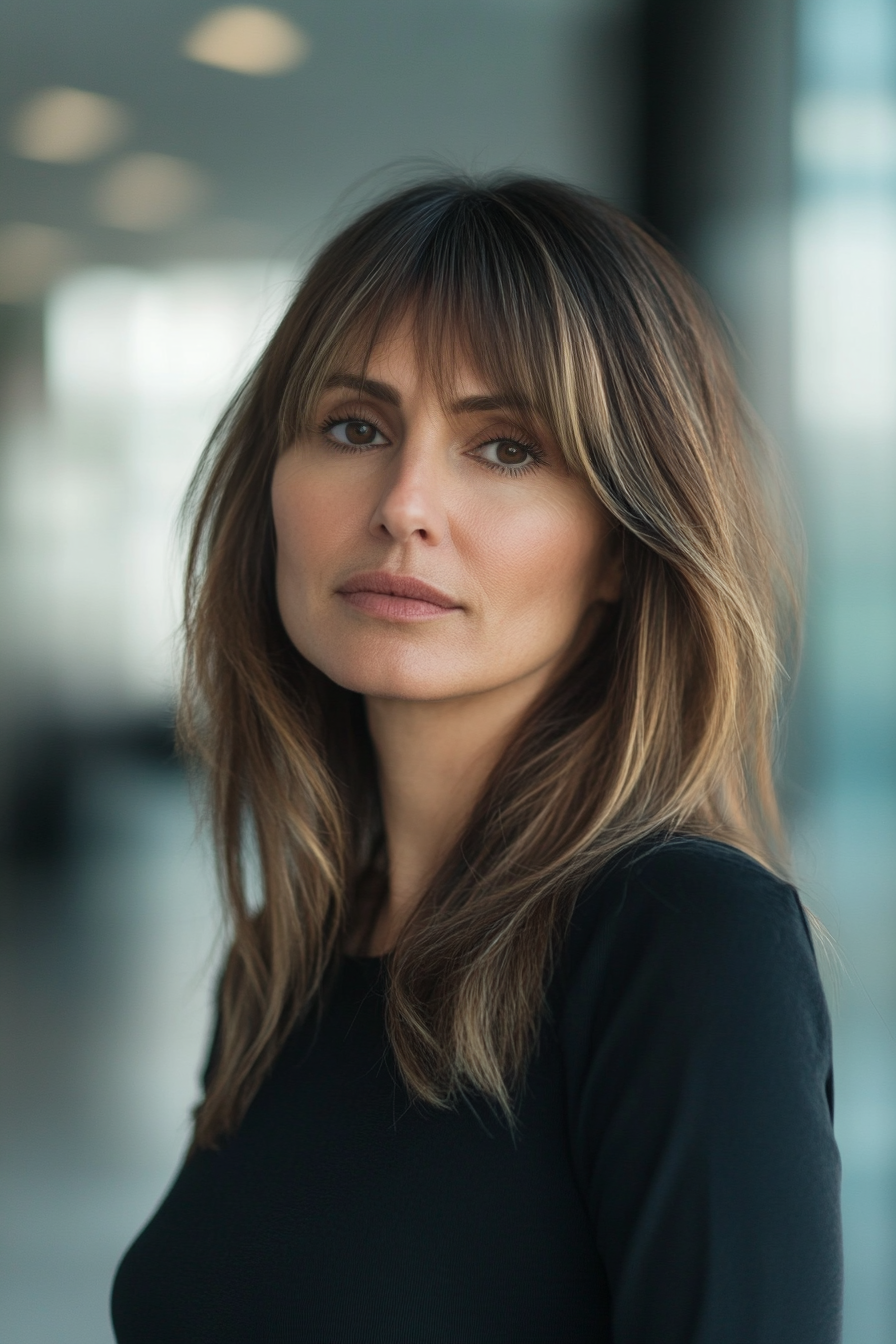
column 312, row 521
column 543, row 556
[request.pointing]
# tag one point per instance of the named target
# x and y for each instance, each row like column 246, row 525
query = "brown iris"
column 360, row 431
column 510, row 454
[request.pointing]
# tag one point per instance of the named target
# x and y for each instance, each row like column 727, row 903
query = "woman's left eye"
column 508, row 455
column 356, row 433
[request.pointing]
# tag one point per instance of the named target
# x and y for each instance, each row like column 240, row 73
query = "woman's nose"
column 413, row 497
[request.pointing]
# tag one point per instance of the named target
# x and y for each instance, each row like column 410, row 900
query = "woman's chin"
column 390, row 676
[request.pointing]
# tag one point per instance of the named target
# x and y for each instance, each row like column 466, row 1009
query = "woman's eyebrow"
column 382, row 391
column 503, row 401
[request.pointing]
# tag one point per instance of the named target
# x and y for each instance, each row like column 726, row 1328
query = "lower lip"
column 392, row 608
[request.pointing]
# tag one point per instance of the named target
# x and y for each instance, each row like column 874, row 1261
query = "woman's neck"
column 434, row 759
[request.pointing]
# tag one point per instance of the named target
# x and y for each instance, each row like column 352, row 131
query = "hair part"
column 665, row 725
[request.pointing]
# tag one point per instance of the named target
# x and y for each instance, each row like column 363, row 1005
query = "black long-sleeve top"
column 673, row 1177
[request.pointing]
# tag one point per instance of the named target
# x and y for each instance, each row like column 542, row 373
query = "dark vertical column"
column 715, row 178
column 715, row 167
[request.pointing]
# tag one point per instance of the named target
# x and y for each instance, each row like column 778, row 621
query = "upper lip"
column 397, row 585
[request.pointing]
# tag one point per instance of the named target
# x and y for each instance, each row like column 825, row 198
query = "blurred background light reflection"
column 844, row 324
column 167, row 171
column 248, row 39
column 138, row 366
column 68, row 126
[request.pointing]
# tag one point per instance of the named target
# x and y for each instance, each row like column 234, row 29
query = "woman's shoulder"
column 683, row 884
column 684, row 916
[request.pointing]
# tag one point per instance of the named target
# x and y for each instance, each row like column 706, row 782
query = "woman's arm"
column 698, row 1044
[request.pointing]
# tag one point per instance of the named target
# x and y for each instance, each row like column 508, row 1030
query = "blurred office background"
column 166, row 169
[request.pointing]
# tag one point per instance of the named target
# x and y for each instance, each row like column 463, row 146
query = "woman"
column 520, row 1036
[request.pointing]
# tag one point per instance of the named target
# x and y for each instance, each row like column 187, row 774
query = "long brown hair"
column 665, row 725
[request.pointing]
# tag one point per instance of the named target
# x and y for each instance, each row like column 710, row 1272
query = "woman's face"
column 432, row 548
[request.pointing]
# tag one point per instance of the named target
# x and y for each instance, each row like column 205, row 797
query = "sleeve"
column 701, row 1105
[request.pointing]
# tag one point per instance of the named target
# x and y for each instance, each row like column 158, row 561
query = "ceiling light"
column 68, row 126
column 248, row 39
column 32, row 256
column 145, row 192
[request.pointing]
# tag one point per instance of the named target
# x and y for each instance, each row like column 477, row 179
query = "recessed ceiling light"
column 146, row 192
column 248, row 39
column 32, row 256
column 68, row 126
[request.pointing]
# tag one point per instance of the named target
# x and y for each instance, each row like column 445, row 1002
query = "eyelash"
column 332, row 420
column 536, row 456
column 535, row 453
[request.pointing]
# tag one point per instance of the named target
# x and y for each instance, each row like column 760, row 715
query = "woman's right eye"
column 356, row 433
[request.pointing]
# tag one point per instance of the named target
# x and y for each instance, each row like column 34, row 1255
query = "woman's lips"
column 397, row 597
